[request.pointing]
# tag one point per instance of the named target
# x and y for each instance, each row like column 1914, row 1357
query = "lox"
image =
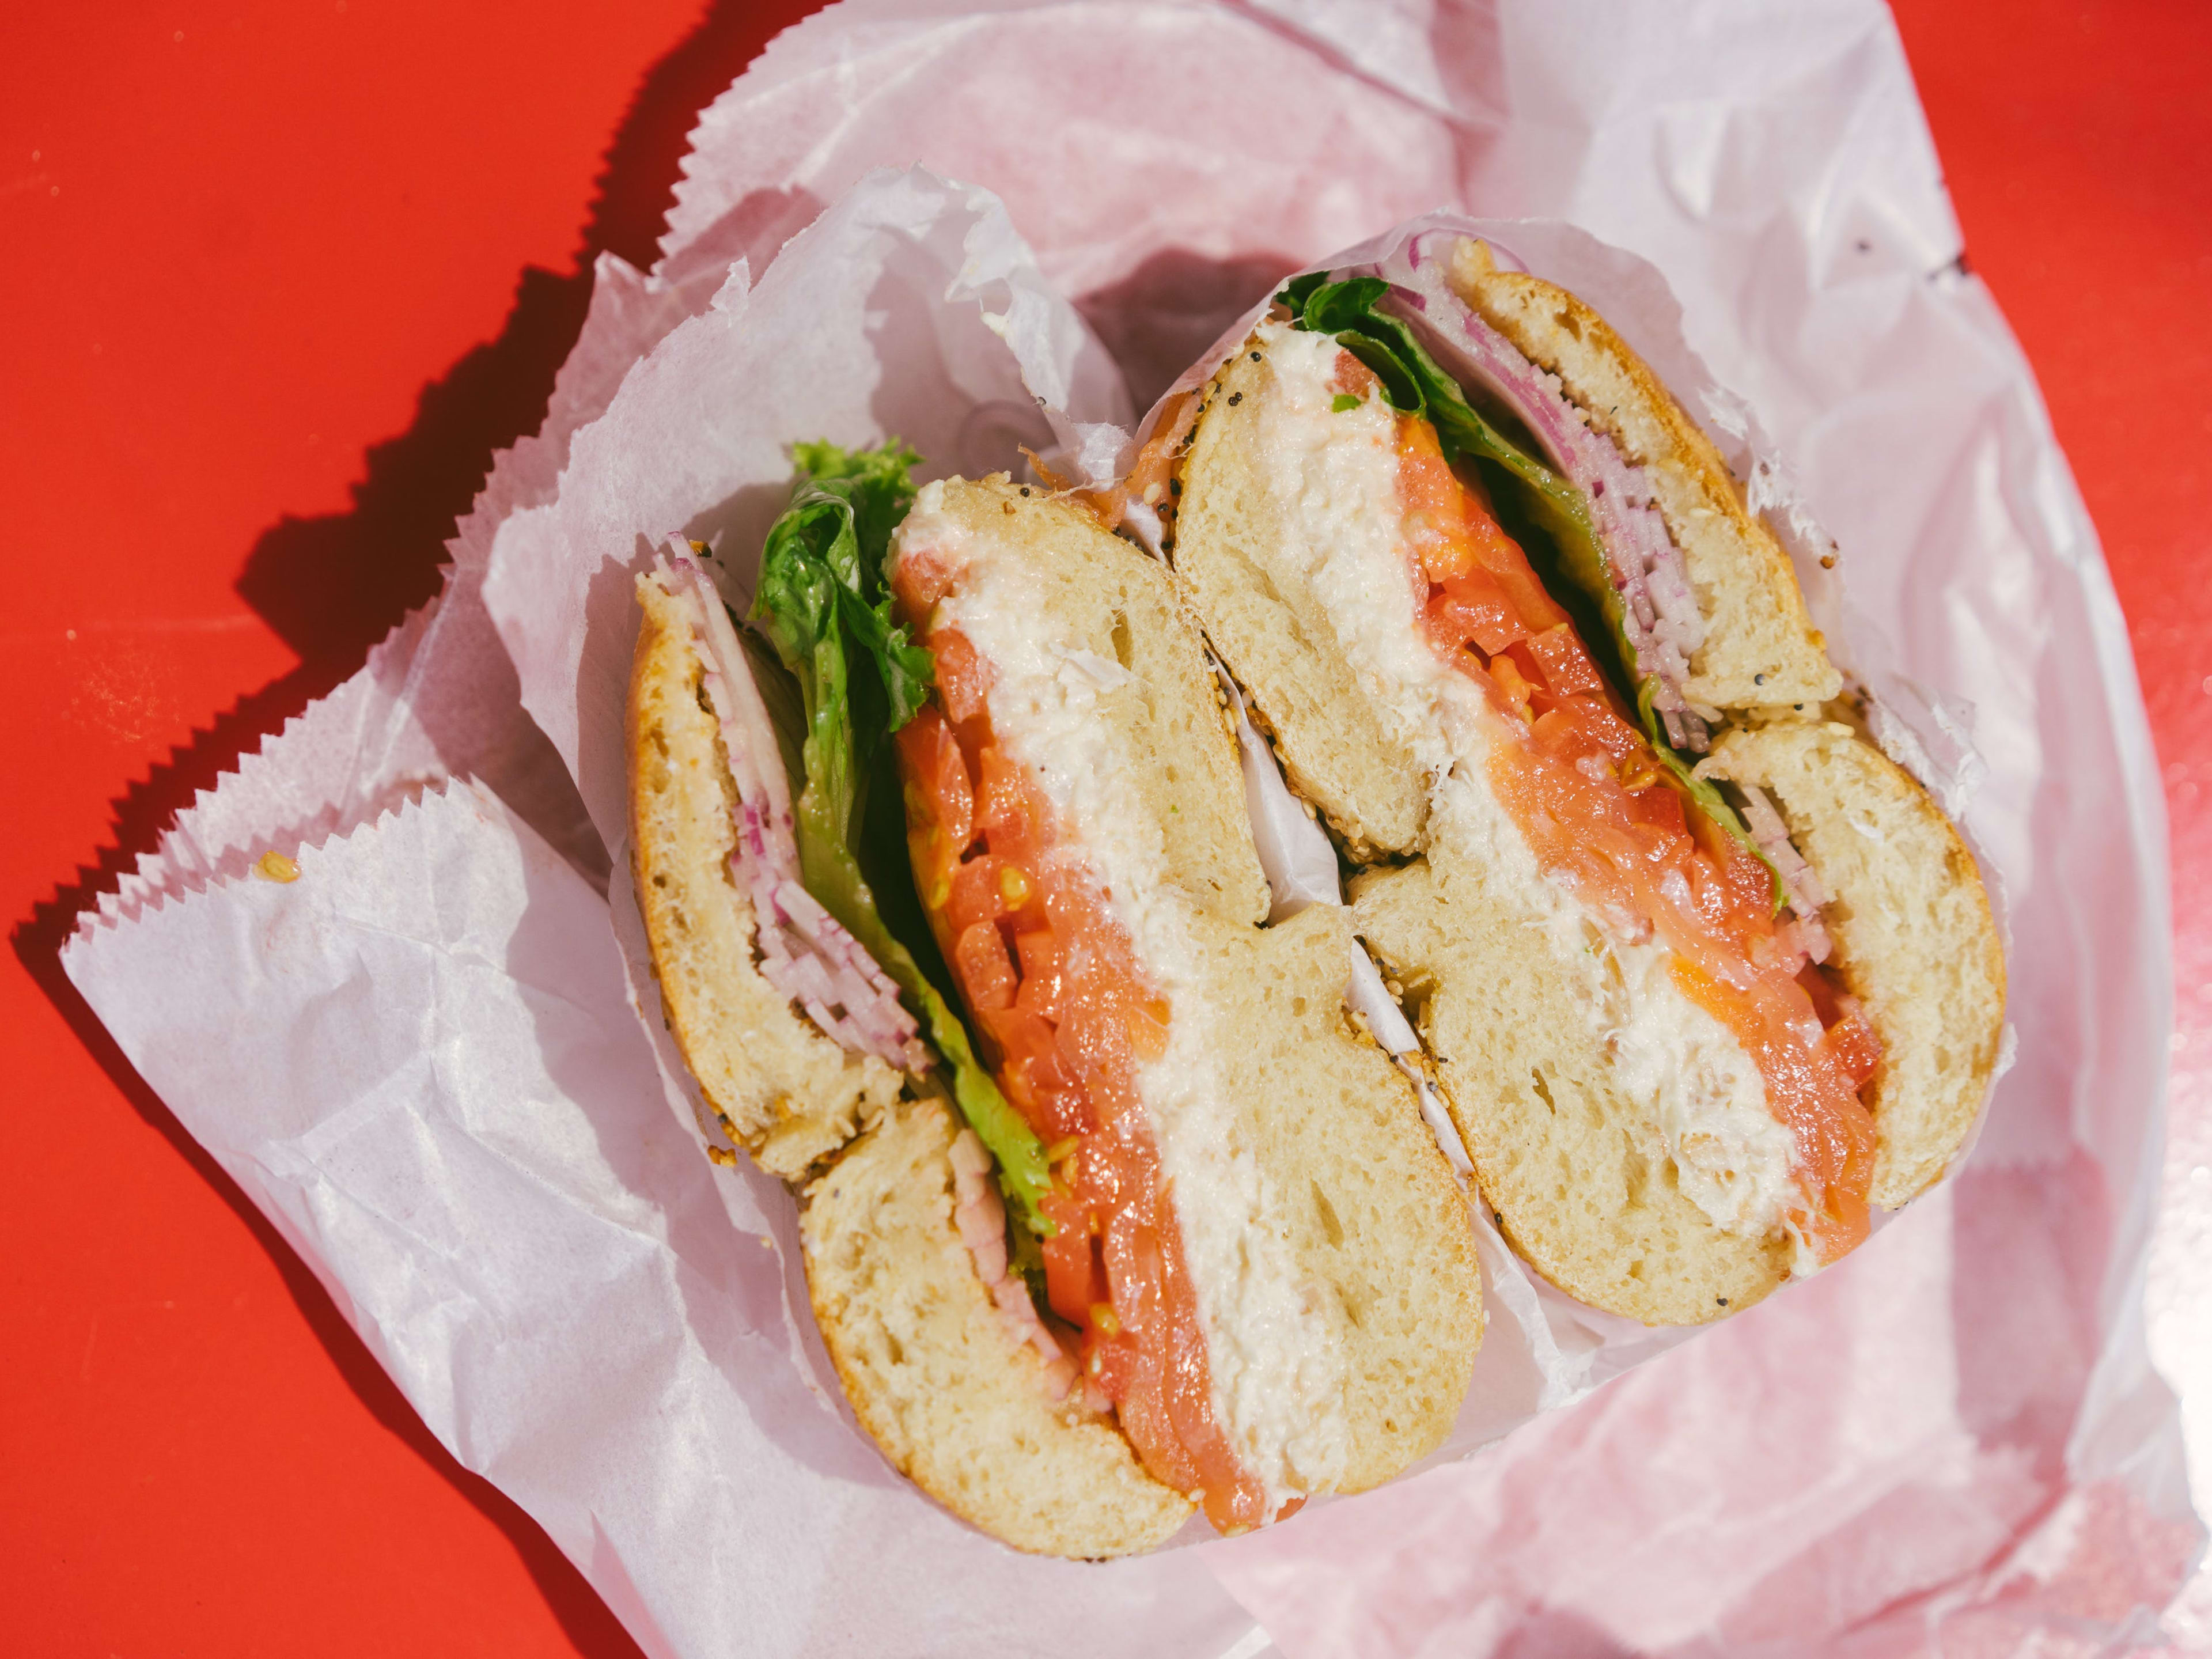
column 1703, row 974
column 1155, row 1227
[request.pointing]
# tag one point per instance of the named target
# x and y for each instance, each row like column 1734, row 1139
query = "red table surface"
column 278, row 279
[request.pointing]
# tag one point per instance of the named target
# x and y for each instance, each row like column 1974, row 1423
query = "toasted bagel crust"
column 791, row 1094
column 957, row 1403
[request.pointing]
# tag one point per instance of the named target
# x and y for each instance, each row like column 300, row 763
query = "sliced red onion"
column 1807, row 893
column 980, row 1219
column 1663, row 624
column 805, row 951
column 1801, row 939
column 969, row 1157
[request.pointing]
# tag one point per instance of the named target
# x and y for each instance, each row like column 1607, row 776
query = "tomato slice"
column 1041, row 1084
column 963, row 680
column 924, row 576
column 1852, row 1039
column 941, row 808
column 1564, row 665
column 1075, row 1276
column 1471, row 608
column 1352, row 376
column 1662, row 808
column 1506, row 673
column 1007, row 812
column 1855, row 1045
column 1591, row 796
column 987, row 977
column 1041, row 957
column 1068, row 1016
column 1452, row 532
column 985, row 888
column 1151, row 477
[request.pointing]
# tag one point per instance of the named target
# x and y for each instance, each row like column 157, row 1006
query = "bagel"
column 1196, row 1249
column 1517, row 637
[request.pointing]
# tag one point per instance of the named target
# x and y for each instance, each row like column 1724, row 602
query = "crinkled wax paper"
column 605, row 1331
column 1953, row 1438
column 909, row 307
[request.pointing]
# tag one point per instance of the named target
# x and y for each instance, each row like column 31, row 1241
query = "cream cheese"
column 1334, row 475
column 1278, row 1380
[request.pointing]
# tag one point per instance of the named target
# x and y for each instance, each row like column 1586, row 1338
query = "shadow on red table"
column 332, row 587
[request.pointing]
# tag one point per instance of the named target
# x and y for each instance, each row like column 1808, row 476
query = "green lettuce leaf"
column 824, row 603
column 1568, row 556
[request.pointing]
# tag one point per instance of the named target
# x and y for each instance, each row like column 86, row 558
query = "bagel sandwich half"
column 800, row 979
column 1703, row 973
column 1259, row 1242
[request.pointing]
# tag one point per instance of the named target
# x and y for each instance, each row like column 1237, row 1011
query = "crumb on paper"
column 273, row 865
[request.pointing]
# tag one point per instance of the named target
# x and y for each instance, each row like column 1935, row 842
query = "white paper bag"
column 1955, row 1435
